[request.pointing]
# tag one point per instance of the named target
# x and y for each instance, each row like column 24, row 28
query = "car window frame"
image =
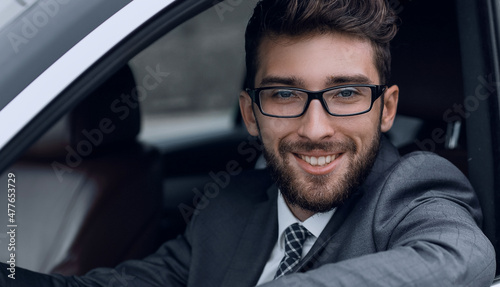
column 14, row 142
column 27, row 43
column 479, row 42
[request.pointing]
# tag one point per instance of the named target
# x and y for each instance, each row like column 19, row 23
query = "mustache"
column 306, row 146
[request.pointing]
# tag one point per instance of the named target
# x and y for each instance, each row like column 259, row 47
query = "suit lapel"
column 314, row 256
column 256, row 243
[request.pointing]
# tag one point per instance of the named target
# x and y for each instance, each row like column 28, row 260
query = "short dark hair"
column 368, row 19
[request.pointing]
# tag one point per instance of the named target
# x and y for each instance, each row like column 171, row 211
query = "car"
column 119, row 119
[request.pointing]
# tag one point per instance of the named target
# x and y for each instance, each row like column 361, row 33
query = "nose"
column 316, row 123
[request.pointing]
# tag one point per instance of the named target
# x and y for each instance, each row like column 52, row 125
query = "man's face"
column 318, row 159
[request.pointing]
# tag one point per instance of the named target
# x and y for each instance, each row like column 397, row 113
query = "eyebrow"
column 347, row 79
column 276, row 80
column 330, row 81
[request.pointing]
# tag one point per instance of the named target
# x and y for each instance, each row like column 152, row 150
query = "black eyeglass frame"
column 377, row 91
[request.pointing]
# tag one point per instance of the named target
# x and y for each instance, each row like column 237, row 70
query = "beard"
column 321, row 193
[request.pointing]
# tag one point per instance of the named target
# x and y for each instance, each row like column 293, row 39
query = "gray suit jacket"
column 414, row 222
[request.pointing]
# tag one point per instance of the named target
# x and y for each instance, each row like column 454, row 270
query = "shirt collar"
column 315, row 224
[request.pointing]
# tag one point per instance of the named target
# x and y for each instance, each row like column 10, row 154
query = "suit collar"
column 314, row 224
column 313, row 259
column 387, row 156
column 257, row 241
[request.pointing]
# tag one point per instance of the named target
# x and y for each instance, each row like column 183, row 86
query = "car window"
column 43, row 33
column 190, row 79
column 10, row 9
column 187, row 82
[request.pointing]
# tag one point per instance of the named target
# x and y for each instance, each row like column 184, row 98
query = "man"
column 342, row 208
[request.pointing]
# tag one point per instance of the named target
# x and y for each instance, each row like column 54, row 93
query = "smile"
column 318, row 161
column 318, row 164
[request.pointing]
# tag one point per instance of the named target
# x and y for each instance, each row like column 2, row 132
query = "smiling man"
column 341, row 207
column 319, row 145
column 317, row 98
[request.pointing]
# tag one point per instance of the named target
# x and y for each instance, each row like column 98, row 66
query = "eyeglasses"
column 341, row 101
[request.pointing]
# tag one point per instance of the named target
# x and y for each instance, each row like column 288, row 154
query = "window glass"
column 10, row 9
column 191, row 78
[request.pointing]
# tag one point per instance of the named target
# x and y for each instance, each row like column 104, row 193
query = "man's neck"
column 300, row 213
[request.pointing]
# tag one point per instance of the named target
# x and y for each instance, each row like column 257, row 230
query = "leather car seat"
column 89, row 194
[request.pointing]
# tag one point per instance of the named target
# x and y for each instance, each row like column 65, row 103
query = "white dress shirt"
column 315, row 224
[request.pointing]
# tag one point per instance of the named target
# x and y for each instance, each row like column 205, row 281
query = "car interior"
column 102, row 187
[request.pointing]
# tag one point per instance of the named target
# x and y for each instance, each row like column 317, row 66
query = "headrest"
column 426, row 60
column 109, row 115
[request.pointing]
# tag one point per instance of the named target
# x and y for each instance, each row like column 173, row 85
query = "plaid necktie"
column 295, row 235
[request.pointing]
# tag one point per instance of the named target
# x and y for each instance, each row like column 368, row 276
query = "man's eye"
column 346, row 93
column 284, row 94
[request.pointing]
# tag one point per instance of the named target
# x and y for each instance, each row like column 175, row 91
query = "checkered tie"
column 295, row 235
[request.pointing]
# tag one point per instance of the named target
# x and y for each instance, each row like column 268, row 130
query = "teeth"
column 315, row 161
column 322, row 160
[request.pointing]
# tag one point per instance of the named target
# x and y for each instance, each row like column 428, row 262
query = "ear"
column 391, row 97
column 246, row 108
